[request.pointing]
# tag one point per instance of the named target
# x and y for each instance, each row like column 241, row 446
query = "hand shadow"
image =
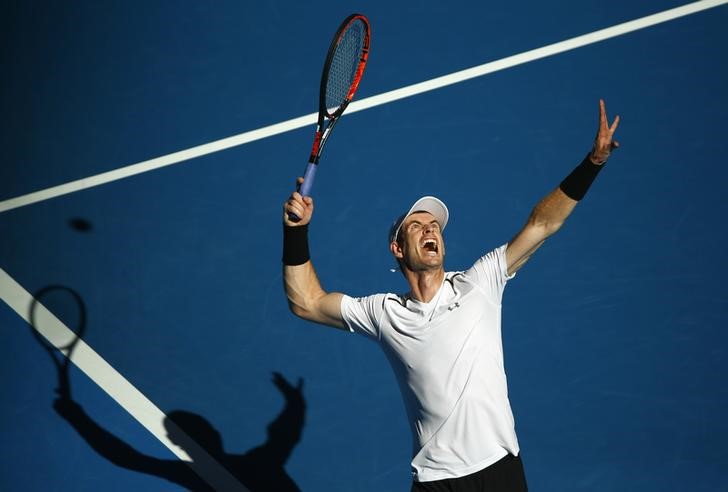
column 261, row 469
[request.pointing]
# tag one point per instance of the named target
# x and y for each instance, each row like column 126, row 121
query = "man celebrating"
column 443, row 337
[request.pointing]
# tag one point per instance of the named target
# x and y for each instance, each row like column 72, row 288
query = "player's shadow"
column 261, row 469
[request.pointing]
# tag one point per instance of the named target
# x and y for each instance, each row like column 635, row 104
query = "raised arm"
column 550, row 213
column 306, row 298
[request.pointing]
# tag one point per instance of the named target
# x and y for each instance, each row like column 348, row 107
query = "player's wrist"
column 295, row 245
column 576, row 184
column 598, row 158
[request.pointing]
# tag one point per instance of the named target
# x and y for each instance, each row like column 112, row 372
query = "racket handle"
column 308, row 178
column 305, row 188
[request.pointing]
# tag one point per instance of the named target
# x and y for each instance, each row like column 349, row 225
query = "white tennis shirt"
column 447, row 355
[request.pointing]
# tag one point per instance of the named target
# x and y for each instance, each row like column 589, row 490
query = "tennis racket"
column 343, row 70
column 58, row 322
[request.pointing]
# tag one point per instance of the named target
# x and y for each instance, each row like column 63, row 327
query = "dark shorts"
column 505, row 475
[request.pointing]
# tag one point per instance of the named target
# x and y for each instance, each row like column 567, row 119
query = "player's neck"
column 424, row 284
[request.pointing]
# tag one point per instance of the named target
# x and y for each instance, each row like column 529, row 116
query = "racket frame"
column 324, row 129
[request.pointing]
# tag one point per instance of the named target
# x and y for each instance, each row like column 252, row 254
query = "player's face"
column 423, row 247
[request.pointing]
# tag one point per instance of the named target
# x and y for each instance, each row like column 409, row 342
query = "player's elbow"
column 322, row 309
column 303, row 308
column 544, row 227
column 552, row 227
column 297, row 309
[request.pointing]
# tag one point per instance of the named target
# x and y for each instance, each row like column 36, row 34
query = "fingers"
column 301, row 202
column 613, row 128
column 297, row 206
column 294, row 206
column 604, row 121
column 604, row 143
column 602, row 114
column 606, row 131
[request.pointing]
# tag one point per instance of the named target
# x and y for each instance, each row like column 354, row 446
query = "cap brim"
column 428, row 204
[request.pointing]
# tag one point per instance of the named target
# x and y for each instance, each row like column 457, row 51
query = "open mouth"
column 430, row 245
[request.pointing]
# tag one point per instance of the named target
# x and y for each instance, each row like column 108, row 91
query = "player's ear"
column 396, row 249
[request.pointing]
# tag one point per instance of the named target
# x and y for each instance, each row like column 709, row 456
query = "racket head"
column 57, row 318
column 344, row 66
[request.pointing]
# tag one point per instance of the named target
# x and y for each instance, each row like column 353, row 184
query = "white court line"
column 361, row 105
column 114, row 384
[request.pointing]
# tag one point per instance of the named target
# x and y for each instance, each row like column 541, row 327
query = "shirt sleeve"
column 490, row 273
column 362, row 314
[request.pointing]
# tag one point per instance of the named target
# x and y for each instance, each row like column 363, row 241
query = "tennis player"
column 443, row 337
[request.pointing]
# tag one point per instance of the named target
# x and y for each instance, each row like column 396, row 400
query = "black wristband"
column 576, row 184
column 295, row 245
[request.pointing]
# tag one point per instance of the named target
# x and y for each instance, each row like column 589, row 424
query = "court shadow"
column 261, row 469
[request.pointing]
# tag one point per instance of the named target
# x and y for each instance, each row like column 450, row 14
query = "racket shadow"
column 58, row 329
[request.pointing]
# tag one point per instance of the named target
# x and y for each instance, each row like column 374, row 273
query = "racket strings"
column 344, row 65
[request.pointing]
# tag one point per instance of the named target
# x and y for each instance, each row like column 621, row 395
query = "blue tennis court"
column 149, row 147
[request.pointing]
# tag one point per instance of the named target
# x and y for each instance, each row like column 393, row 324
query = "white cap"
column 425, row 204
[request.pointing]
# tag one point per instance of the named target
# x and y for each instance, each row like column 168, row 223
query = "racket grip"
column 305, row 188
column 308, row 178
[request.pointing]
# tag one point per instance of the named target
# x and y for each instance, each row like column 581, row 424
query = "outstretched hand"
column 298, row 205
column 604, row 142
